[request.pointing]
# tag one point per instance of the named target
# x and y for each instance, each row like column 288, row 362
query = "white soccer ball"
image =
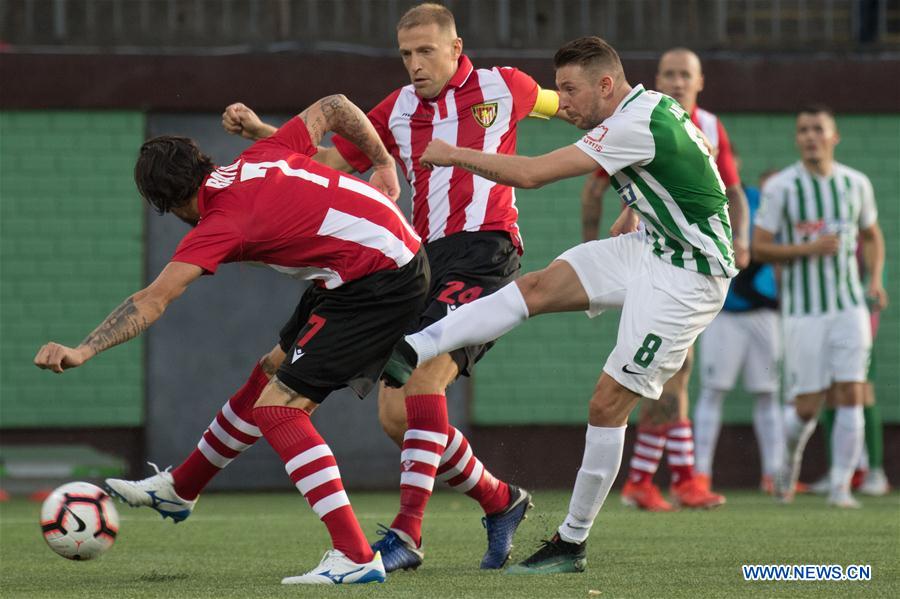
column 79, row 521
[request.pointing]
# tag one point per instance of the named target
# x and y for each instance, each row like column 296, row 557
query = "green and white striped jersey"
column 798, row 207
column 658, row 162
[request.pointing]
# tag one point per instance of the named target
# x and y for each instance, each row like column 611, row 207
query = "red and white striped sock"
column 465, row 473
column 423, row 444
column 648, row 451
column 313, row 470
column 680, row 451
column 231, row 432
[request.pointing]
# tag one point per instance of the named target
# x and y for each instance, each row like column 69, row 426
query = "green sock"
column 874, row 436
column 827, row 420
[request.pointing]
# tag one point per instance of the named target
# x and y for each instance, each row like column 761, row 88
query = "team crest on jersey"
column 485, row 113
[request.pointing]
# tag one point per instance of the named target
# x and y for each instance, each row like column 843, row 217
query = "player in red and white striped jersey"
column 468, row 224
column 276, row 206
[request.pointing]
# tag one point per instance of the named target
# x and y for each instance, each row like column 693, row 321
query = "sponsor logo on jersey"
column 485, row 113
column 810, row 227
column 593, row 141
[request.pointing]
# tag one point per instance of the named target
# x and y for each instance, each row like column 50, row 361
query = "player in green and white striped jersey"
column 669, row 278
column 812, row 215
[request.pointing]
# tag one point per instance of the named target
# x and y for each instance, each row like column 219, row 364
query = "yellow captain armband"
column 546, row 105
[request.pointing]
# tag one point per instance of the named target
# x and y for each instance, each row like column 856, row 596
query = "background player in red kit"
column 276, row 206
column 469, row 226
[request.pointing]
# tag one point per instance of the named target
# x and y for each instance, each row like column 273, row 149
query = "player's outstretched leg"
column 173, row 494
column 476, row 323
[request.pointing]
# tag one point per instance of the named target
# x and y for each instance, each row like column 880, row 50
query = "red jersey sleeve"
column 214, row 241
column 379, row 117
column 725, row 158
column 293, row 135
column 524, row 91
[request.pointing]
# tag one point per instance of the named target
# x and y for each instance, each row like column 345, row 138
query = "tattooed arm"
column 516, row 171
column 130, row 319
column 337, row 113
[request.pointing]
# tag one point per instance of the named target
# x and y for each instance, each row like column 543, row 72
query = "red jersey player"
column 274, row 205
column 664, row 424
column 469, row 227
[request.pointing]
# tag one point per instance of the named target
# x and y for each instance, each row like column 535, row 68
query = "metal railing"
column 514, row 25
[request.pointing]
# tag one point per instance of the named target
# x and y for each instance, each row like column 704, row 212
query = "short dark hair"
column 588, row 52
column 168, row 171
column 426, row 14
column 816, row 108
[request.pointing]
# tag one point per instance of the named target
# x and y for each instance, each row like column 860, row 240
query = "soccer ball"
column 79, row 521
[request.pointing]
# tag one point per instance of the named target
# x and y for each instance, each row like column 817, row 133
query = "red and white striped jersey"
column 277, row 206
column 715, row 132
column 477, row 109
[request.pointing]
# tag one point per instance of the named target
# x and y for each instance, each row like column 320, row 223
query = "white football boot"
column 843, row 499
column 875, row 483
column 157, row 492
column 336, row 568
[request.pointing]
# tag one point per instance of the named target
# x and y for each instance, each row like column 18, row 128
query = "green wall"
column 545, row 371
column 71, row 249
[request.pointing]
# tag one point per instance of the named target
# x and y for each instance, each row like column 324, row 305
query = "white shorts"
column 741, row 342
column 825, row 349
column 664, row 307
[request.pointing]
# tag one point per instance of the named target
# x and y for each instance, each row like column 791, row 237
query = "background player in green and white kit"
column 818, row 208
column 669, row 280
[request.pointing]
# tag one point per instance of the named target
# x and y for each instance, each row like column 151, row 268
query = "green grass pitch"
column 241, row 545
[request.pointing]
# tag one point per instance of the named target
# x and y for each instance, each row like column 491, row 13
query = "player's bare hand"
column 741, row 254
column 239, row 119
column 626, row 223
column 826, row 245
column 436, row 154
column 384, row 179
column 878, row 297
column 57, row 358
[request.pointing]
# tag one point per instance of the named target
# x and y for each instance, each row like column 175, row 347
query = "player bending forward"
column 275, row 205
column 670, row 280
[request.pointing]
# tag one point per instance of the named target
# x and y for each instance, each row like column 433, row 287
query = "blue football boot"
column 501, row 527
column 396, row 552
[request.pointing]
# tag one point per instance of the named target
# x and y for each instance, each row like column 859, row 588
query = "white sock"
column 478, row 322
column 796, row 434
column 769, row 434
column 864, row 456
column 847, row 441
column 602, row 457
column 707, row 423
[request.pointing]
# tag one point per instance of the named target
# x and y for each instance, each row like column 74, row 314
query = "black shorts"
column 464, row 267
column 343, row 337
